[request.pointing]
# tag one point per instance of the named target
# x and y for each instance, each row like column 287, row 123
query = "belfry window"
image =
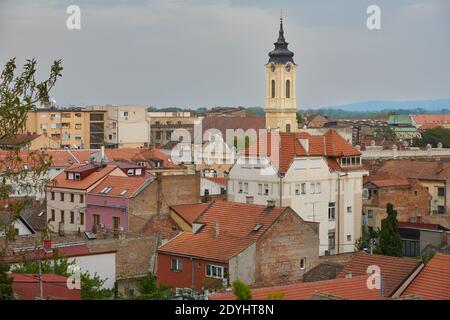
column 273, row 89
column 288, row 88
column 288, row 127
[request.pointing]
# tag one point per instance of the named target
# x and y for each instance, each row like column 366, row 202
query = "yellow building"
column 281, row 96
column 71, row 127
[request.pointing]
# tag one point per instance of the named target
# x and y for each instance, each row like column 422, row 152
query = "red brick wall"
column 183, row 279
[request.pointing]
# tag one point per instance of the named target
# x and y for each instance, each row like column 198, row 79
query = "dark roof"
column 323, row 271
column 281, row 54
column 35, row 215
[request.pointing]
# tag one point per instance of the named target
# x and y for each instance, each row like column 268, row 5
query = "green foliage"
column 433, row 137
column 425, row 258
column 300, row 119
column 150, row 290
column 366, row 237
column 19, row 93
column 241, row 290
column 390, row 240
column 91, row 287
column 6, row 292
column 275, row 296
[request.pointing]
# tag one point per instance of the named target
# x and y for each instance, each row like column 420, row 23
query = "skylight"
column 106, row 190
column 257, row 227
column 124, row 192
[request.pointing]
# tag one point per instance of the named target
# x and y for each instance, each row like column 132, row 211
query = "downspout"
column 339, row 214
column 193, row 274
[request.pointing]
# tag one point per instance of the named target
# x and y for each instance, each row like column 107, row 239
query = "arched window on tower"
column 288, row 127
column 288, row 88
column 273, row 89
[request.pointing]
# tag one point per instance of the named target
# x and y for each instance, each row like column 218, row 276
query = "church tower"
column 281, row 102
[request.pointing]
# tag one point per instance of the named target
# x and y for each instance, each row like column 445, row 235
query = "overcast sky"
column 212, row 52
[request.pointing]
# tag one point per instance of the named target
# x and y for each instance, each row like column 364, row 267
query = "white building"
column 320, row 177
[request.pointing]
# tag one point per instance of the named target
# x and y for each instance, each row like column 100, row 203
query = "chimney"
column 270, row 203
column 48, row 245
column 102, row 153
column 305, row 144
column 216, row 229
column 250, row 199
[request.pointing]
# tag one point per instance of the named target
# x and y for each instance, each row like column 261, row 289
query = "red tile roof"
column 121, row 184
column 394, row 271
column 354, row 288
column 422, row 170
column 330, row 145
column 386, row 179
column 419, row 225
column 235, row 223
column 190, row 212
column 433, row 282
column 422, row 119
column 61, row 181
column 221, row 181
column 26, row 287
column 138, row 154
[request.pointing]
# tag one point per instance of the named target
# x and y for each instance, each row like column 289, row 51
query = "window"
column 96, row 219
column 349, row 209
column 61, row 196
column 331, row 241
column 72, row 197
column 297, row 189
column 62, row 215
column 176, row 265
column 77, row 176
column 288, row 89
column 214, row 271
column 158, row 135
column 246, row 187
column 441, row 192
column 273, row 89
column 316, row 188
column 53, row 214
column 350, row 161
column 410, row 248
column 138, row 172
column 72, row 217
column 266, row 189
column 349, row 237
column 331, row 210
column 116, row 223
column 110, row 137
column 303, row 264
column 303, row 188
column 123, row 192
column 370, row 213
column 70, row 176
column 81, row 218
column 168, row 135
column 130, row 172
column 81, row 198
column 52, row 196
column 240, row 187
column 441, row 209
column 125, row 113
column 288, row 127
column 260, row 189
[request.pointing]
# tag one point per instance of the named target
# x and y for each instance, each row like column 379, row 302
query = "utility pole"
column 41, row 287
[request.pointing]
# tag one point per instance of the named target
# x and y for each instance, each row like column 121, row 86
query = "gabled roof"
column 124, row 187
column 421, row 119
column 61, row 181
column 190, row 212
column 235, row 223
column 138, row 154
column 386, row 179
column 354, row 288
column 422, row 170
column 329, row 145
column 433, row 282
column 221, row 181
column 394, row 271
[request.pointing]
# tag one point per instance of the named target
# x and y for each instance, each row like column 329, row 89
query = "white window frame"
column 210, row 274
column 178, row 265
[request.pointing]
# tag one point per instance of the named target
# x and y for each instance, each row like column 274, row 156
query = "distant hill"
column 377, row 106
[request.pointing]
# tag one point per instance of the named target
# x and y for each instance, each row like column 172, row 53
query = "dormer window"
column 130, row 172
column 350, row 161
column 138, row 172
column 77, row 176
column 141, row 164
column 70, row 176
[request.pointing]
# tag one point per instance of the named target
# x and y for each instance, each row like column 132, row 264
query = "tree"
column 6, row 292
column 433, row 137
column 150, row 290
column 19, row 94
column 390, row 240
column 241, row 290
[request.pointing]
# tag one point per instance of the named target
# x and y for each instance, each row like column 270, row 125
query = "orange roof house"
column 225, row 234
column 433, row 282
column 54, row 287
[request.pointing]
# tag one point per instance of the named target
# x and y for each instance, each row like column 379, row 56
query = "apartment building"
column 71, row 127
column 319, row 177
column 125, row 126
column 162, row 124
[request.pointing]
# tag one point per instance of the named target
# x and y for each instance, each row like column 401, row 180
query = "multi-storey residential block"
column 125, row 126
column 71, row 127
column 163, row 124
column 320, row 177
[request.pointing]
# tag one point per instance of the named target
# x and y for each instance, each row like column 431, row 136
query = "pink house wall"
column 107, row 208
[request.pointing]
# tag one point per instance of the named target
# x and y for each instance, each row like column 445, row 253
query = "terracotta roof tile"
column 121, row 186
column 60, row 180
column 433, row 282
column 354, row 288
column 236, row 222
column 217, row 180
column 421, row 119
column 422, row 170
column 190, row 212
column 394, row 271
column 386, row 179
